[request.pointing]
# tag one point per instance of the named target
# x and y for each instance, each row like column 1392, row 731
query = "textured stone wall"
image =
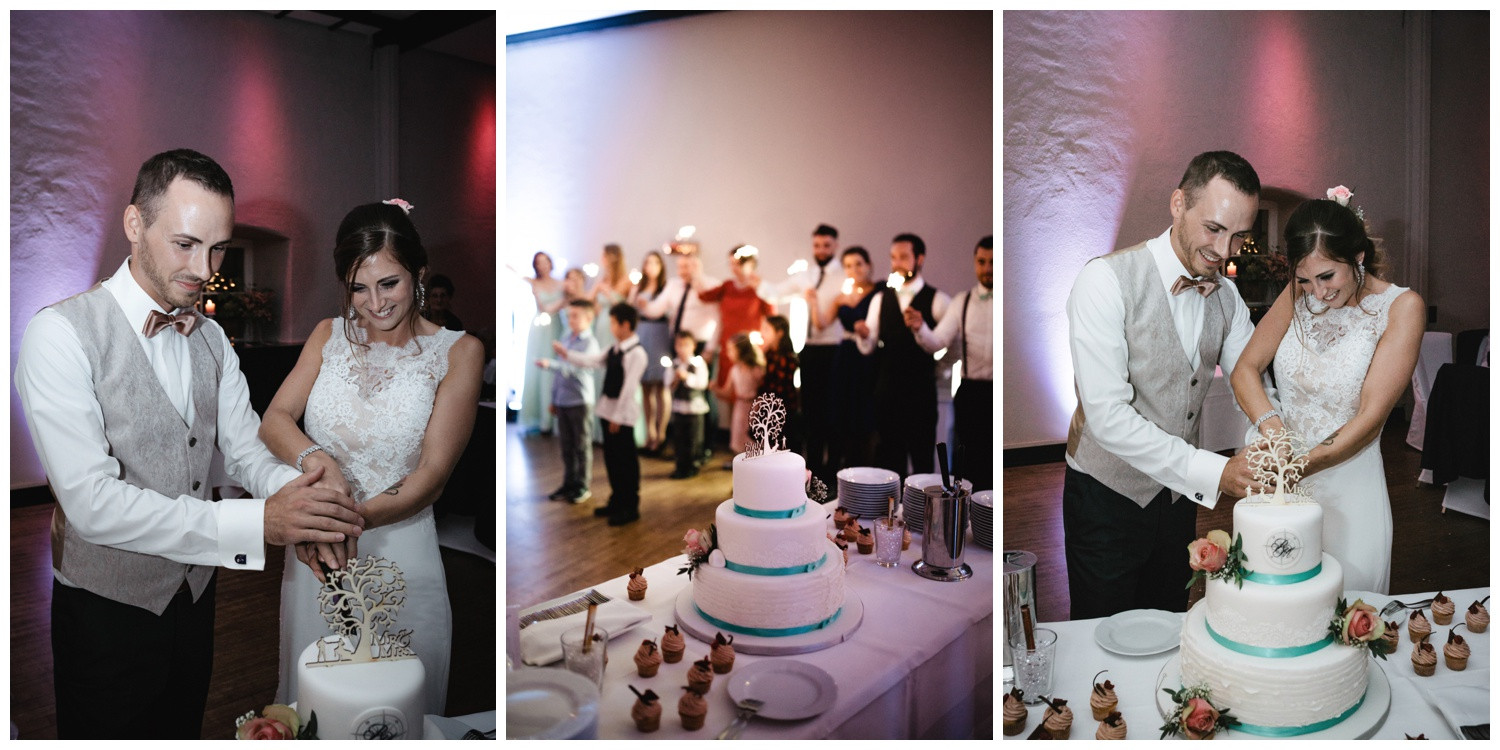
column 1103, row 110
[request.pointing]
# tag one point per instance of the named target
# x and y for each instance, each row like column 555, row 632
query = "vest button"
column 1190, row 416
column 195, row 484
column 1195, row 382
column 192, row 441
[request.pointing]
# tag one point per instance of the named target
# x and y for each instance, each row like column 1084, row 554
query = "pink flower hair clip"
column 403, row 205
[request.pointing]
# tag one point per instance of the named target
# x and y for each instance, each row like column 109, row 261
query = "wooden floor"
column 245, row 634
column 555, row 548
column 1430, row 549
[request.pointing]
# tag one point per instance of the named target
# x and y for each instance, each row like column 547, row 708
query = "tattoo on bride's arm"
column 395, row 489
column 1326, row 441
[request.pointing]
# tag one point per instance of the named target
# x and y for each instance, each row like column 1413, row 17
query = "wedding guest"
column 747, row 368
column 779, row 380
column 611, row 288
column 1147, row 326
column 967, row 329
column 905, row 376
column 853, row 371
column 546, row 327
column 439, row 308
column 741, row 308
column 688, row 380
column 818, row 284
column 573, row 405
column 624, row 363
column 686, row 312
column 657, row 339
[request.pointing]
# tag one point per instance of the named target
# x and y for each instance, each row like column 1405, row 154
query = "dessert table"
column 920, row 665
column 1414, row 699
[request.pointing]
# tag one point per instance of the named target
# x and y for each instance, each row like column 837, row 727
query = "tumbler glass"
column 888, row 534
column 1034, row 665
column 589, row 663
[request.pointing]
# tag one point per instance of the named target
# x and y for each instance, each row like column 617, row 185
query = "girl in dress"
column 654, row 334
column 747, row 368
column 546, row 327
column 781, row 372
column 387, row 399
column 1344, row 343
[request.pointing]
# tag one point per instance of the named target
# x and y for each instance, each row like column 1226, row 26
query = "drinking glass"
column 888, row 533
column 590, row 664
column 1033, row 666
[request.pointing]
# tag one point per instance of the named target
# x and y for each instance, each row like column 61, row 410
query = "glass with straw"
column 889, row 531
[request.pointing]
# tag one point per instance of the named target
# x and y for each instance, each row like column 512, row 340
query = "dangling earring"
column 1359, row 275
column 421, row 297
column 352, row 313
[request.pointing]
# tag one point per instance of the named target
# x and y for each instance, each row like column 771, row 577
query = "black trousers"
column 1122, row 556
column 623, row 464
column 974, row 429
column 121, row 672
column 816, row 362
column 687, row 437
column 907, row 425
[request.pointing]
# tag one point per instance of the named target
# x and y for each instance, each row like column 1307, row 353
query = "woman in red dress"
column 741, row 308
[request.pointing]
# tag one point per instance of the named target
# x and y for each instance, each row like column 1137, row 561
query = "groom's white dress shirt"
column 54, row 378
column 904, row 295
column 1096, row 320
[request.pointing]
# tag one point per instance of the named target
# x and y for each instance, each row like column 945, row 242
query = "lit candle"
column 666, row 362
column 591, row 269
column 686, row 232
column 635, row 275
column 1232, row 270
column 747, row 251
column 797, row 267
column 208, row 307
column 755, row 338
column 895, row 281
column 848, row 286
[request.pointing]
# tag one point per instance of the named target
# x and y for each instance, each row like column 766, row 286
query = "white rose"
column 716, row 559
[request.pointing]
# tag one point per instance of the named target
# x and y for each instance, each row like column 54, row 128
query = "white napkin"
column 1463, row 699
column 541, row 642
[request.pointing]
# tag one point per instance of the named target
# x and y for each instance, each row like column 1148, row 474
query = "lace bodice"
column 369, row 405
column 1322, row 361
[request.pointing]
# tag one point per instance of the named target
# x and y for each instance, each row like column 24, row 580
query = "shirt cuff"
column 1204, row 470
column 242, row 544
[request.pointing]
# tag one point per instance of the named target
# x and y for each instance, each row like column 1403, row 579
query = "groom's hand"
column 1237, row 476
column 300, row 512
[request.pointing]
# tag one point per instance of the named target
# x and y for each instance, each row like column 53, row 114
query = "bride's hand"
column 307, row 555
column 333, row 475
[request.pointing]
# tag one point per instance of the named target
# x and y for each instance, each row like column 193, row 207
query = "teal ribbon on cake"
column 1305, row 729
column 788, row 571
column 1267, row 652
column 768, row 632
column 793, row 513
column 1272, row 579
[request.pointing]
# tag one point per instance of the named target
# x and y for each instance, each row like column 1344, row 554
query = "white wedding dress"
column 369, row 409
column 1320, row 367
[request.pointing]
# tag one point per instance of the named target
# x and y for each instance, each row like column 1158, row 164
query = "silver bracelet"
column 308, row 451
column 1263, row 418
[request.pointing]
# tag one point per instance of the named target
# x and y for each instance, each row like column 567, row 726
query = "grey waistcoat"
column 153, row 446
column 1166, row 390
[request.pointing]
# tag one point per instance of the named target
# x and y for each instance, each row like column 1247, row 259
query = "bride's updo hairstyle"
column 1334, row 230
column 363, row 233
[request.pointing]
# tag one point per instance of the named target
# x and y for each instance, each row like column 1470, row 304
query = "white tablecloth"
column 920, row 665
column 1079, row 658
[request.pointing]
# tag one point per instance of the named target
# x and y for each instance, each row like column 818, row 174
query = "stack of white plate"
column 982, row 518
column 914, row 498
column 866, row 491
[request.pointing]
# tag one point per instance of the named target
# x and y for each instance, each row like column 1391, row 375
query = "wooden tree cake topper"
column 767, row 417
column 360, row 602
column 1279, row 459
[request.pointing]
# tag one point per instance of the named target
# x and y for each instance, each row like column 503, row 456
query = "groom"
column 1147, row 325
column 128, row 392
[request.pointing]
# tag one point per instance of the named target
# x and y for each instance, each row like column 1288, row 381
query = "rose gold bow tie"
column 1204, row 287
column 157, row 320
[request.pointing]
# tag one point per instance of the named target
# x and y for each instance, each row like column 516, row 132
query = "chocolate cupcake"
column 1103, row 701
column 1477, row 618
column 1418, row 626
column 646, row 712
column 637, row 586
column 1058, row 718
column 851, row 529
column 1455, row 651
column 1442, row 609
column 1392, row 636
column 1423, row 659
column 1111, row 727
column 866, row 541
column 672, row 645
column 721, row 653
column 840, row 518
column 701, row 676
column 647, row 659
column 1014, row 709
column 905, row 539
column 692, row 709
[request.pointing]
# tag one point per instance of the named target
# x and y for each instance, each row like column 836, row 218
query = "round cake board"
column 837, row 632
column 1361, row 725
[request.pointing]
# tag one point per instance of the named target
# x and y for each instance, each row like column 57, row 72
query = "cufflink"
column 1196, row 496
column 240, row 559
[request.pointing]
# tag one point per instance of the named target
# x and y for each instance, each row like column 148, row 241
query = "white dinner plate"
column 1140, row 632
column 985, row 499
column 550, row 703
column 790, row 689
column 868, row 475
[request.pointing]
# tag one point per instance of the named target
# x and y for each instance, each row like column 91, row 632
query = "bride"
column 1344, row 343
column 388, row 400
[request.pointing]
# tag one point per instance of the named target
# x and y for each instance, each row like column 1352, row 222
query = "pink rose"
column 264, row 729
column 1199, row 719
column 1206, row 556
column 1340, row 194
column 694, row 540
column 1361, row 623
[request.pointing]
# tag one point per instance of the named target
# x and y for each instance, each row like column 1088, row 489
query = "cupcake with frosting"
column 905, row 539
column 1418, row 626
column 672, row 645
column 646, row 713
column 1103, row 699
column 1424, row 659
column 1111, row 727
column 1455, row 651
column 843, row 547
column 701, row 676
column 692, row 709
column 1014, row 709
column 840, row 518
column 1058, row 718
column 851, row 529
column 637, row 586
column 1392, row 636
column 1477, row 618
column 647, row 658
column 1442, row 609
column 721, row 653
column 866, row 541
